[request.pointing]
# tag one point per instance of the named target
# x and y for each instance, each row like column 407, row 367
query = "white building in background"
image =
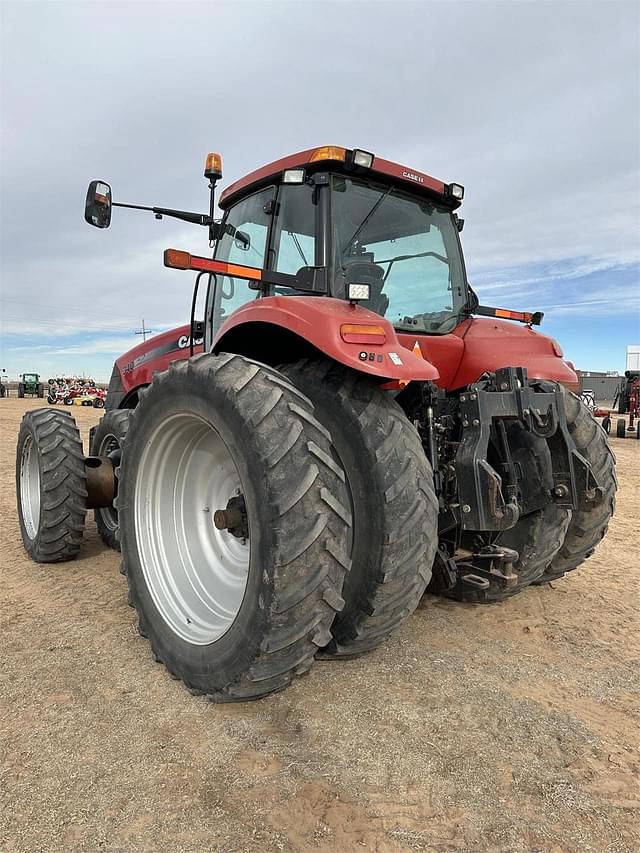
column 633, row 358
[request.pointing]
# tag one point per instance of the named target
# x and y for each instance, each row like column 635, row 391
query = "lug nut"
column 466, row 508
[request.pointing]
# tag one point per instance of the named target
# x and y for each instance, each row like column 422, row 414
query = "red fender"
column 490, row 344
column 137, row 366
column 318, row 320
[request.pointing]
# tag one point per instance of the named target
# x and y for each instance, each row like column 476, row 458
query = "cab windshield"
column 405, row 247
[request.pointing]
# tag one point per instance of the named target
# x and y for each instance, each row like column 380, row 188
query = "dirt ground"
column 512, row 727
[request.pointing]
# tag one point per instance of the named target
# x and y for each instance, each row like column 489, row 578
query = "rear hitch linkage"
column 503, row 396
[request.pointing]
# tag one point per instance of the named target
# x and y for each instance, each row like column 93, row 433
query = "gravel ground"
column 510, row 727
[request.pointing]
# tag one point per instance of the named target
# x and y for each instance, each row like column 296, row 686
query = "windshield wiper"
column 358, row 230
column 298, row 247
column 391, row 261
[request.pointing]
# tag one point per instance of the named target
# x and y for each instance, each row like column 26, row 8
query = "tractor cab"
column 358, row 228
column 340, row 252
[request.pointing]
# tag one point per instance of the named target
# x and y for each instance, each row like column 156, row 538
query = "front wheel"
column 234, row 525
column 50, row 485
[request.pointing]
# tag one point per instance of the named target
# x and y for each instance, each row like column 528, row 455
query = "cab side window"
column 244, row 241
column 294, row 241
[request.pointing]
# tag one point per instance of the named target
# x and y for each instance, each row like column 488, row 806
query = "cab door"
column 244, row 239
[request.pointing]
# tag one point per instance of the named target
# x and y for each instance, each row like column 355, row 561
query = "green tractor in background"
column 30, row 386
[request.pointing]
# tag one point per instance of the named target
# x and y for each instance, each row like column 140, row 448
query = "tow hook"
column 490, row 563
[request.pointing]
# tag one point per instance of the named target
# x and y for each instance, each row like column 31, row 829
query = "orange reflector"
column 329, row 152
column 242, row 272
column 213, row 166
column 177, row 259
column 354, row 333
column 416, row 350
column 522, row 316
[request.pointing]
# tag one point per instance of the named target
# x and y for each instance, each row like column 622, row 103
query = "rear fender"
column 277, row 329
column 493, row 344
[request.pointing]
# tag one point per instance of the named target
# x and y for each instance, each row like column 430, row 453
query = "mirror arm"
column 185, row 215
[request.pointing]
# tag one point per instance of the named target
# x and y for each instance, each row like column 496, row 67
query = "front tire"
column 50, row 486
column 395, row 530
column 234, row 613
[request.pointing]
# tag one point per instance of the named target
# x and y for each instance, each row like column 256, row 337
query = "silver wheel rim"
column 196, row 574
column 30, row 488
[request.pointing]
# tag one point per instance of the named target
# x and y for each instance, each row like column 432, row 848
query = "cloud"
column 533, row 108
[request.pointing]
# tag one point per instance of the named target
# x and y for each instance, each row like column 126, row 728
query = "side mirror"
column 242, row 240
column 97, row 209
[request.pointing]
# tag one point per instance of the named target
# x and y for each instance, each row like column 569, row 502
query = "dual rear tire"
column 235, row 612
column 392, row 497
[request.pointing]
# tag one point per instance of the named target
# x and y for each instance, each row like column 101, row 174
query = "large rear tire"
column 537, row 536
column 395, row 509
column 237, row 612
column 21, row 390
column 587, row 526
column 50, row 485
column 106, row 440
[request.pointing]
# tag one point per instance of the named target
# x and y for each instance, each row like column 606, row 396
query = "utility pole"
column 144, row 331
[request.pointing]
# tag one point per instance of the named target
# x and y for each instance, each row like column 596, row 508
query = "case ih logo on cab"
column 413, row 177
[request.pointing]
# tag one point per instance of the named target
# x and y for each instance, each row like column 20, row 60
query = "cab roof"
column 329, row 157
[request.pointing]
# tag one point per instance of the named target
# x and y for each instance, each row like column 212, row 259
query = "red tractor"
column 345, row 428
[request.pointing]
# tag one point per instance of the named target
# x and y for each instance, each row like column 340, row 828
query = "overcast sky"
column 533, row 106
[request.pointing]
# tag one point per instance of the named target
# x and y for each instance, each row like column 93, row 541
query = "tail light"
column 355, row 333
